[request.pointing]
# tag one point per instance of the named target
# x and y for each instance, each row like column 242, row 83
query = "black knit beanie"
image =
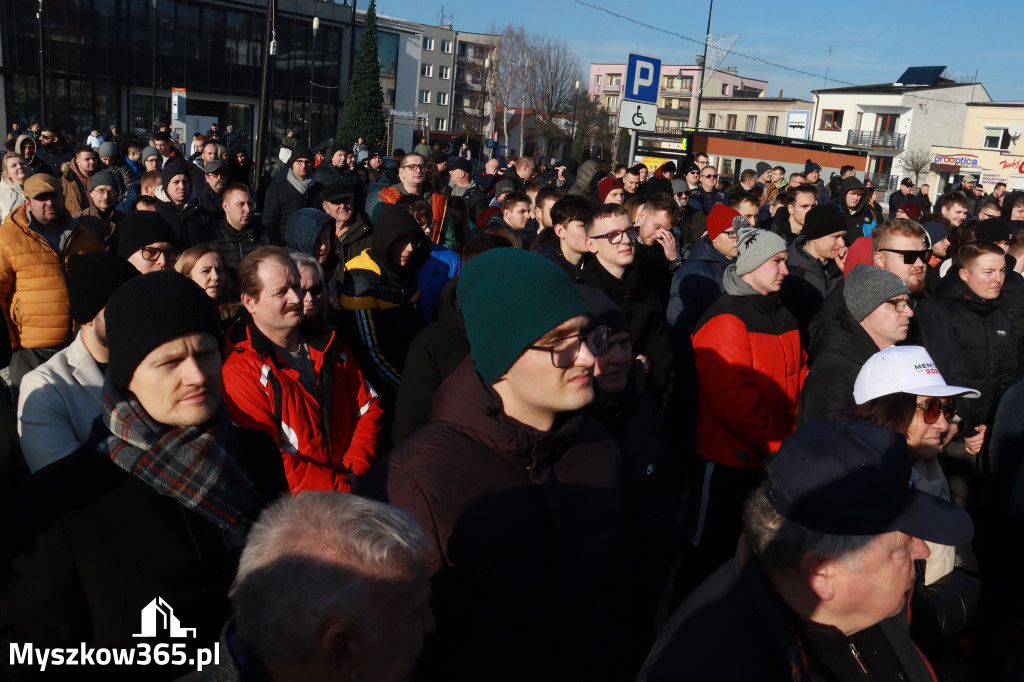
column 92, row 278
column 142, row 228
column 149, row 311
column 174, row 167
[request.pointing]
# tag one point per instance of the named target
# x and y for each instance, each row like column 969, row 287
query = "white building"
column 918, row 111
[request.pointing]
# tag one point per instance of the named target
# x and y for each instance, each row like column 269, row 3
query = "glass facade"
column 98, row 59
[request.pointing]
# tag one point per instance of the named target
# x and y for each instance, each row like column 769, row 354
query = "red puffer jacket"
column 750, row 367
column 326, row 440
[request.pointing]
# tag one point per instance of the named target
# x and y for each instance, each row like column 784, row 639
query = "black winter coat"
column 283, row 200
column 834, row 361
column 94, row 545
column 808, row 284
column 646, row 320
column 984, row 333
column 192, row 224
column 529, row 570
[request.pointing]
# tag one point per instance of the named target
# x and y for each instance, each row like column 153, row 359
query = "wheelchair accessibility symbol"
column 638, row 118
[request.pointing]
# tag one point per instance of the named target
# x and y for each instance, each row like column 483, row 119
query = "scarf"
column 301, row 186
column 188, row 463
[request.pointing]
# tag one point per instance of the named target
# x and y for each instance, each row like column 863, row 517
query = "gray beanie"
column 148, row 152
column 868, row 287
column 102, row 178
column 762, row 168
column 108, row 149
column 755, row 246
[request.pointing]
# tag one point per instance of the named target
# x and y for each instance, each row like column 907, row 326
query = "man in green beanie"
column 517, row 488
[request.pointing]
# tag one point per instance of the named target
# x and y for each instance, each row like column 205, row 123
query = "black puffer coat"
column 984, row 333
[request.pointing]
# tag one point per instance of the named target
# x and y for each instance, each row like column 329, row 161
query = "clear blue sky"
column 872, row 42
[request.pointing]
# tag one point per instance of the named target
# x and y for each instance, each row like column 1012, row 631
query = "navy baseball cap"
column 849, row 477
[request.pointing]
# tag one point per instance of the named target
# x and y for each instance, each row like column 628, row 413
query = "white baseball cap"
column 904, row 369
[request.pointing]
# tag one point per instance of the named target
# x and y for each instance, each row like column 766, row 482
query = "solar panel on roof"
column 921, row 75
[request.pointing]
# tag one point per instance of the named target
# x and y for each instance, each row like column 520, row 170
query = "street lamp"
column 42, row 75
column 312, row 72
column 575, row 105
column 483, row 120
column 154, row 65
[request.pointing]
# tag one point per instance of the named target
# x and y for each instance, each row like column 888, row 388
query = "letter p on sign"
column 642, row 76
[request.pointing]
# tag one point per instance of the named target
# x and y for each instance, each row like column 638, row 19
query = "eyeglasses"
column 710, row 176
column 313, row 291
column 933, row 407
column 911, row 257
column 153, row 253
column 731, row 234
column 900, row 304
column 416, row 166
column 564, row 351
column 615, row 236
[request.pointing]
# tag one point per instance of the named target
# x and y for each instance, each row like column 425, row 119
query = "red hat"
column 720, row 219
column 859, row 252
column 911, row 209
column 606, row 186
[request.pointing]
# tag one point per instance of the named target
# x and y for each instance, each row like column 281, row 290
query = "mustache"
column 293, row 308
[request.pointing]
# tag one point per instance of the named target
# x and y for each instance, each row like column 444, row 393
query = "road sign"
column 490, row 143
column 638, row 115
column 642, row 78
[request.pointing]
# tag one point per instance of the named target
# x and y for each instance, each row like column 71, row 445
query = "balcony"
column 884, row 180
column 869, row 138
column 467, row 111
column 675, row 92
column 668, row 130
column 611, row 87
column 467, row 84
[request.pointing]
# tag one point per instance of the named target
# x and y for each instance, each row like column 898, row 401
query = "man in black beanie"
column 59, row 400
column 815, row 264
column 153, row 513
column 298, row 190
column 177, row 203
column 145, row 240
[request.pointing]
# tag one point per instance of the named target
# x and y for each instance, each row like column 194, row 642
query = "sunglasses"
column 933, row 407
column 911, row 257
column 313, row 291
column 710, row 176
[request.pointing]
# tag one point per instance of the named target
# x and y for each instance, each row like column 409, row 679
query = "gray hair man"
column 330, row 586
column 820, row 586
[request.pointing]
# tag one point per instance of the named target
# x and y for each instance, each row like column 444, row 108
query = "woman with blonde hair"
column 204, row 265
column 14, row 170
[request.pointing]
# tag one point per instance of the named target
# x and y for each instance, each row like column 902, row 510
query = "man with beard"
column 178, row 206
column 102, row 218
column 59, row 400
column 75, row 180
column 210, row 193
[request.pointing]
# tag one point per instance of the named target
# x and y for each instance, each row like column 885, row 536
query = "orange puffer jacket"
column 33, row 284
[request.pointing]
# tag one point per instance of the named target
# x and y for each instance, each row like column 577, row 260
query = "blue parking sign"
column 642, row 77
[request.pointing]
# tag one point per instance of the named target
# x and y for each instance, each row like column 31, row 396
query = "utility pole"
column 269, row 50
column 312, row 74
column 42, row 73
column 154, row 65
column 703, row 66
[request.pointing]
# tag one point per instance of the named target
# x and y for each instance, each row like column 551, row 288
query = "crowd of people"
column 394, row 416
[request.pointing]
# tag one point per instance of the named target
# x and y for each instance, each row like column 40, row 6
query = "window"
column 751, row 124
column 442, row 97
column 445, row 72
column 460, row 75
column 831, row 119
column 462, row 49
column 727, row 167
column 446, row 46
column 686, row 83
column 425, row 96
column 476, row 77
column 730, row 121
column 440, row 124
column 712, row 119
column 428, row 43
column 668, row 82
column 597, row 79
column 615, row 79
column 611, row 101
column 427, row 70
column 725, row 89
column 460, row 100
column 773, row 124
column 996, row 138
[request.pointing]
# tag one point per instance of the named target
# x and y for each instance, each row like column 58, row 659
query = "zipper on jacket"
column 856, row 656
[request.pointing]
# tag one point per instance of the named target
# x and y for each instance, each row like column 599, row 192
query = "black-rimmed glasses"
column 900, row 304
column 615, row 236
column 564, row 351
column 153, row 253
column 911, row 256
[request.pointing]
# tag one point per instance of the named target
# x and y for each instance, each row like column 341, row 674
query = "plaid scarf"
column 188, row 463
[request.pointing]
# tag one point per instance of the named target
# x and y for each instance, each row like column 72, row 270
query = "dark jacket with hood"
column 304, row 226
column 735, row 626
column 283, row 200
column 646, row 322
column 243, row 173
column 553, row 252
column 695, row 286
column 191, row 223
column 380, row 301
column 862, row 220
column 780, row 225
column 212, row 202
column 983, row 330
column 357, row 238
column 527, row 561
column 35, row 163
column 808, row 284
column 587, row 179
column 835, row 360
column 1009, row 199
column 433, row 356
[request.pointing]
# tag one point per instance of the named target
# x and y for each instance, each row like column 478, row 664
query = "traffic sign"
column 490, row 143
column 643, row 75
column 638, row 115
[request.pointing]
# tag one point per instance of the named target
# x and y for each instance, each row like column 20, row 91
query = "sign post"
column 638, row 109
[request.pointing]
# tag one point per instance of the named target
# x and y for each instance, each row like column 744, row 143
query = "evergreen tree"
column 363, row 113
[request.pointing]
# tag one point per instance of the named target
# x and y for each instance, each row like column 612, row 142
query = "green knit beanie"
column 510, row 298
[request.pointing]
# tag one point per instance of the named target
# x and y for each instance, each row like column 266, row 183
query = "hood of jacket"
column 849, row 184
column 1009, row 199
column 304, row 226
column 736, row 286
column 18, row 143
column 161, row 196
column 585, row 177
column 386, row 232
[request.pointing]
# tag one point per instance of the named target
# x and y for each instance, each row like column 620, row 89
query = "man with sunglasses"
column 297, row 381
column 517, row 488
column 612, row 240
